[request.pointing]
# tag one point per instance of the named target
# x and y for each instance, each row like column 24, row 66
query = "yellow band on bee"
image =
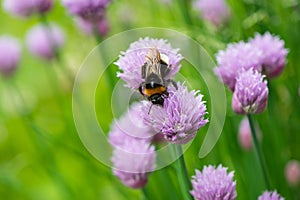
column 157, row 90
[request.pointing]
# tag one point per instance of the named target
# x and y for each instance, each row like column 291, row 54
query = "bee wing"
column 144, row 70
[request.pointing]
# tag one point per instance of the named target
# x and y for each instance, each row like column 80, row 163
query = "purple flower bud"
column 25, row 8
column 274, row 53
column 234, row 59
column 214, row 183
column 181, row 116
column 87, row 26
column 214, row 11
column 292, row 172
column 251, row 93
column 43, row 41
column 133, row 156
column 89, row 10
column 10, row 53
column 270, row 196
column 131, row 61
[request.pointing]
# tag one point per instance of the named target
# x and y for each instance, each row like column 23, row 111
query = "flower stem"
column 182, row 174
column 184, row 8
column 258, row 151
column 144, row 193
column 110, row 76
column 57, row 52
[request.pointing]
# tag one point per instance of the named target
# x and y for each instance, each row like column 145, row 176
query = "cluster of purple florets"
column 243, row 67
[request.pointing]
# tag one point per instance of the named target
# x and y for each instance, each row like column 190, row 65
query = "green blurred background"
column 41, row 155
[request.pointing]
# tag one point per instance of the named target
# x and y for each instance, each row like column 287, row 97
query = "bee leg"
column 173, row 83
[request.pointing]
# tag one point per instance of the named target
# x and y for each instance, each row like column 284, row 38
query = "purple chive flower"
column 244, row 135
column 133, row 157
column 181, row 116
column 87, row 26
column 89, row 10
column 270, row 196
column 25, row 8
column 43, row 41
column 132, row 125
column 292, row 172
column 133, row 161
column 214, row 183
column 10, row 53
column 214, row 11
column 251, row 93
column 236, row 57
column 131, row 61
column 274, row 53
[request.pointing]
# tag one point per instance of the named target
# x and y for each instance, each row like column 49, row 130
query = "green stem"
column 183, row 178
column 57, row 52
column 184, row 6
column 110, row 74
column 258, row 150
column 144, row 193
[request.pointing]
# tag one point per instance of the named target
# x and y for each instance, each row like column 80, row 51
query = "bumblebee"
column 154, row 73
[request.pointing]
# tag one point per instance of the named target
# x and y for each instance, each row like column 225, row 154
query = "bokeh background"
column 41, row 155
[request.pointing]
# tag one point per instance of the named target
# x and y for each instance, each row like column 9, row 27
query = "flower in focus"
column 213, row 183
column 133, row 155
column 131, row 61
column 292, row 172
column 10, row 53
column 234, row 59
column 270, row 196
column 274, row 53
column 91, row 10
column 87, row 26
column 214, row 11
column 244, row 135
column 251, row 93
column 181, row 116
column 26, row 8
column 43, row 41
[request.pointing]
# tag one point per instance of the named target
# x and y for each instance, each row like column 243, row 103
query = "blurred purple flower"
column 89, row 10
column 274, row 53
column 214, row 11
column 234, row 58
column 43, row 41
column 10, row 53
column 131, row 61
column 25, row 8
column 87, row 26
column 270, row 196
column 245, row 138
column 244, row 135
column 214, row 183
column 292, row 172
column 133, row 161
column 251, row 93
column 181, row 116
column 130, row 125
column 133, row 156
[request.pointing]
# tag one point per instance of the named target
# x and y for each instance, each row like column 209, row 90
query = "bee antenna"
column 150, row 109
